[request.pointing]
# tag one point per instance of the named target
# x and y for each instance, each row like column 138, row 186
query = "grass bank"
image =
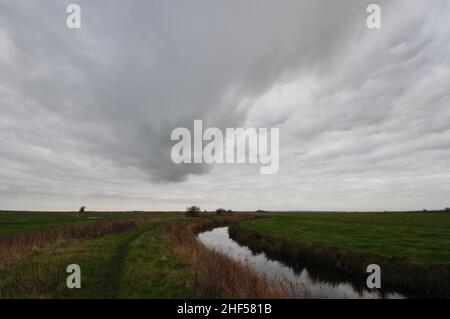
column 420, row 237
column 214, row 275
column 412, row 249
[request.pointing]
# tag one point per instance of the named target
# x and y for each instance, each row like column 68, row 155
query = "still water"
column 302, row 279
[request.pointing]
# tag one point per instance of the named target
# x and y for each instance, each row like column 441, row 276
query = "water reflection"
column 317, row 285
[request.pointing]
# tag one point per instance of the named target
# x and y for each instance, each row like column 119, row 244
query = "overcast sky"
column 86, row 115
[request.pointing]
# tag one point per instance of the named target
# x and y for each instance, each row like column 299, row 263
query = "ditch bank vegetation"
column 163, row 258
column 214, row 275
column 16, row 246
column 429, row 280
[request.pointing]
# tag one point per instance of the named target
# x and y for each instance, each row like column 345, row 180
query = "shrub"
column 192, row 211
column 220, row 211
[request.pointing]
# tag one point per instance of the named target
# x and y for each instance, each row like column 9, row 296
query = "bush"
column 193, row 211
column 220, row 211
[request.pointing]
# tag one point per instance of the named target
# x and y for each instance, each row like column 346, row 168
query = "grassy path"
column 135, row 264
column 151, row 269
column 119, row 258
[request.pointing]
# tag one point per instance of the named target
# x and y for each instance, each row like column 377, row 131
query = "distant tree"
column 220, row 211
column 260, row 211
column 229, row 211
column 82, row 209
column 447, row 209
column 192, row 211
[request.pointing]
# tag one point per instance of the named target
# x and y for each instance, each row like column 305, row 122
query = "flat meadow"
column 420, row 237
column 157, row 254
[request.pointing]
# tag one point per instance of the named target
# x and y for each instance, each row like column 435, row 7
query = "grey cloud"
column 136, row 71
column 96, row 106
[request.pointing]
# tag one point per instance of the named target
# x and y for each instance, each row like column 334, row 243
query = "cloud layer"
column 86, row 115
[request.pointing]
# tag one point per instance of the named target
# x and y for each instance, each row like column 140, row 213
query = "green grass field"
column 421, row 237
column 20, row 222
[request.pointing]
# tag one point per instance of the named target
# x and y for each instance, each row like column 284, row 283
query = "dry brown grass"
column 14, row 247
column 215, row 275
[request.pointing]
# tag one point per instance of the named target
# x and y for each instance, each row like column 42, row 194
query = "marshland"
column 226, row 255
